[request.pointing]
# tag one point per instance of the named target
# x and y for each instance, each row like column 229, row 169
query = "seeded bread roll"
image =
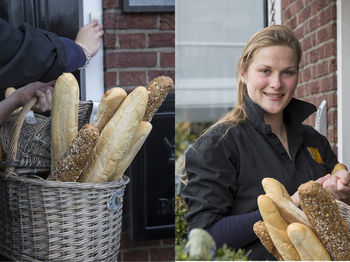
column 74, row 160
column 157, row 89
column 116, row 137
column 272, row 185
column 261, row 232
column 277, row 228
column 110, row 102
column 64, row 116
column 307, row 243
column 142, row 132
column 290, row 212
column 328, row 224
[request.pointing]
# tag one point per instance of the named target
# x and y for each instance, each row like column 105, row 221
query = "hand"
column 43, row 91
column 90, row 36
column 338, row 186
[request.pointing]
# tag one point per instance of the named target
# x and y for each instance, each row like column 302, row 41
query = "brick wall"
column 137, row 48
column 314, row 23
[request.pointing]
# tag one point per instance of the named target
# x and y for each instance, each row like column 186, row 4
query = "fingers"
column 343, row 176
column 321, row 180
column 44, row 96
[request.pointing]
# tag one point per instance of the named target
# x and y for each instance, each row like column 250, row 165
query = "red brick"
column 132, row 78
column 332, row 30
column 136, row 255
column 110, row 79
column 326, row 84
column 319, row 5
column 130, row 59
column 167, row 59
column 167, row 22
column 306, row 74
column 129, row 21
column 332, row 117
column 304, row 14
column 331, row 99
column 313, row 23
column 327, row 15
column 314, row 55
column 322, row 35
column 109, row 40
column 161, row 40
column 299, row 33
column 286, row 14
column 109, row 4
column 296, row 6
column 155, row 73
column 133, row 40
column 306, row 43
column 162, row 254
column 332, row 65
column 322, row 68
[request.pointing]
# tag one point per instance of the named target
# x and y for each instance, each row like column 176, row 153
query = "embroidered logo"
column 315, row 154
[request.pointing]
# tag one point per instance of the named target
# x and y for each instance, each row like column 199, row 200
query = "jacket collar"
column 294, row 114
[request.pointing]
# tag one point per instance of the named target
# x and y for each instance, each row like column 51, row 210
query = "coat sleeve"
column 212, row 180
column 29, row 55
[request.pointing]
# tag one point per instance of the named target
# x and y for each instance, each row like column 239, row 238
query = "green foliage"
column 180, row 223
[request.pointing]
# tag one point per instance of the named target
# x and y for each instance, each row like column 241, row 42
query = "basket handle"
column 12, row 151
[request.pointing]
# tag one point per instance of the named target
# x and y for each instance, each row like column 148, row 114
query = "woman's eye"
column 265, row 71
column 288, row 72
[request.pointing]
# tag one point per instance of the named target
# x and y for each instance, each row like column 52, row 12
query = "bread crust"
column 322, row 212
column 307, row 243
column 277, row 228
column 64, row 116
column 337, row 167
column 261, row 232
column 116, row 137
column 142, row 133
column 272, row 185
column 78, row 154
column 109, row 104
column 157, row 88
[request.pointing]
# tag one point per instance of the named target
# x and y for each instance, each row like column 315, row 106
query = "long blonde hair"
column 276, row 35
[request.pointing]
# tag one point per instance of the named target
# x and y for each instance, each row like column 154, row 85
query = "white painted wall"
column 343, row 76
column 92, row 78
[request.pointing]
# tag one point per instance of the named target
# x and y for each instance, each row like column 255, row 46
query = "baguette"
column 277, row 228
column 271, row 185
column 337, row 167
column 9, row 92
column 290, row 212
column 110, row 102
column 74, row 160
column 261, row 232
column 328, row 224
column 142, row 132
column 307, row 243
column 157, row 89
column 64, row 116
column 116, row 137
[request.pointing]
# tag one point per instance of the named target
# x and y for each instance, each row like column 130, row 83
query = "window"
column 209, row 38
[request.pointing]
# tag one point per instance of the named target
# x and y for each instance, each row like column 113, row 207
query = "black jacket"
column 225, row 170
column 29, row 55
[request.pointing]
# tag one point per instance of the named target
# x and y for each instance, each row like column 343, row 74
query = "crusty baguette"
column 142, row 132
column 157, row 88
column 79, row 152
column 337, row 167
column 328, row 224
column 116, row 137
column 307, row 243
column 261, row 232
column 277, row 228
column 290, row 212
column 64, row 116
column 8, row 92
column 271, row 185
column 109, row 104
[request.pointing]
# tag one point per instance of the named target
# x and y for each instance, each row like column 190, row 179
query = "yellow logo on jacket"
column 315, row 154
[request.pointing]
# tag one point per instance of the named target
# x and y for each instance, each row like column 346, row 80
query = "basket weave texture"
column 57, row 221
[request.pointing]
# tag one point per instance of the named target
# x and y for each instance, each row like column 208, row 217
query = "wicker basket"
column 54, row 221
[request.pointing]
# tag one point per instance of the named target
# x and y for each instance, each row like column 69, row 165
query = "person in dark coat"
column 263, row 136
column 28, row 54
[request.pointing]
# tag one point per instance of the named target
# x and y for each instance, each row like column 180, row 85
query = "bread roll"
column 142, row 132
column 261, row 232
column 110, row 102
column 8, row 92
column 64, row 116
column 290, row 212
column 307, row 243
column 277, row 228
column 271, row 185
column 116, row 137
column 337, row 167
column 157, row 89
column 322, row 212
column 79, row 152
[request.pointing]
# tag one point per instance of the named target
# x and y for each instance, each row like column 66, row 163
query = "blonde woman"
column 263, row 136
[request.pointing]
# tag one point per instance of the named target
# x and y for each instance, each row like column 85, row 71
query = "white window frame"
column 274, row 12
column 92, row 78
column 343, row 80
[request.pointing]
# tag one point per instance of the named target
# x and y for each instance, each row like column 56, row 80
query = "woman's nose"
column 275, row 81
